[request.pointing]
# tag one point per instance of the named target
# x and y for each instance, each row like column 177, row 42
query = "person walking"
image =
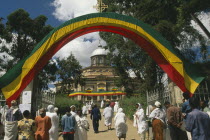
column 43, row 124
column 158, row 121
column 197, row 122
column 82, row 126
column 95, row 117
column 140, row 121
column 108, row 115
column 185, row 110
column 13, row 115
column 26, row 127
column 68, row 124
column 53, row 132
column 175, row 121
column 120, row 124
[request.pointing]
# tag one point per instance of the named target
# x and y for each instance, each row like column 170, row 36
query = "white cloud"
column 68, row 9
column 81, row 49
column 205, row 19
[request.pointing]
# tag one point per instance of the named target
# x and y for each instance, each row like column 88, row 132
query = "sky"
column 57, row 12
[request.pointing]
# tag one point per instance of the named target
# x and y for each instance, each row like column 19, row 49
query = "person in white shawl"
column 102, row 103
column 116, row 106
column 85, row 110
column 108, row 115
column 120, row 124
column 82, row 126
column 13, row 115
column 73, row 110
column 140, row 122
column 53, row 132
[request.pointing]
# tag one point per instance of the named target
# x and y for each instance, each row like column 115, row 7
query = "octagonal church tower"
column 99, row 80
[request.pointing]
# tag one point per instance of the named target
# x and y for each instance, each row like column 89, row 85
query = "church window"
column 100, row 60
column 94, row 61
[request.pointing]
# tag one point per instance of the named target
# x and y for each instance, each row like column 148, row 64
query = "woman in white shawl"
column 120, row 124
column 140, row 122
column 108, row 115
column 116, row 106
column 82, row 126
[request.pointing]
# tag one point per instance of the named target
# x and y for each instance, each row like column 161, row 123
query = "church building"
column 99, row 80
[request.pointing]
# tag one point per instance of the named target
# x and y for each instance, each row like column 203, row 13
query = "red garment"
column 112, row 104
column 157, row 127
column 68, row 133
column 43, row 126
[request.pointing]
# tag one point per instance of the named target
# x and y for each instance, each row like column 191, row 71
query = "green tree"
column 23, row 33
column 171, row 18
column 69, row 73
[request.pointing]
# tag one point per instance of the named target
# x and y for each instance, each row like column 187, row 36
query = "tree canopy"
column 21, row 34
column 172, row 19
column 69, row 73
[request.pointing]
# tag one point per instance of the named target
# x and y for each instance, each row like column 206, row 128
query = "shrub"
column 63, row 101
column 129, row 105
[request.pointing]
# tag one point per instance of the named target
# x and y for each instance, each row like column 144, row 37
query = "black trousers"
column 95, row 124
column 68, row 136
column 177, row 134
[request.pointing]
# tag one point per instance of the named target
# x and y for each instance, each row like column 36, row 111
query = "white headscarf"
column 50, row 108
column 120, row 110
column 139, row 106
column 157, row 104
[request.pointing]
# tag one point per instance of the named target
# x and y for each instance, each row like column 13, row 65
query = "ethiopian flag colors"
column 102, row 93
column 181, row 72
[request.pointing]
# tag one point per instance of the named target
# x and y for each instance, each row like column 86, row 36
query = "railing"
column 2, row 99
column 158, row 95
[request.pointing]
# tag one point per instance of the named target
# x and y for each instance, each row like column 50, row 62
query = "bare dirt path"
column 105, row 134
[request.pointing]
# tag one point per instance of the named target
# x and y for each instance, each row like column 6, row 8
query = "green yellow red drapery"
column 182, row 73
column 102, row 93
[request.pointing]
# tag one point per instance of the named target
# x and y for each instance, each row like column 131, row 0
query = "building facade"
column 99, row 81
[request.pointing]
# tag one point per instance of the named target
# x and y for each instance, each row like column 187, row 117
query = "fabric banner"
column 184, row 74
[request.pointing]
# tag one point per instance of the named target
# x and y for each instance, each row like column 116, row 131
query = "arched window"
column 94, row 61
column 100, row 60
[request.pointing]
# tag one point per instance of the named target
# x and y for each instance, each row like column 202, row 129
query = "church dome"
column 99, row 51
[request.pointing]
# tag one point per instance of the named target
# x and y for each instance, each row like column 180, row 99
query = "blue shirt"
column 186, row 108
column 95, row 114
column 68, row 123
column 198, row 123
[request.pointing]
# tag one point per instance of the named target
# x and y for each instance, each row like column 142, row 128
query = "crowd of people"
column 190, row 122
column 18, row 125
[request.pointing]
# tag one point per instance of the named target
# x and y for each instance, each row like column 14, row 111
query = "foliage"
column 63, row 101
column 172, row 19
column 69, row 72
column 128, row 105
column 23, row 33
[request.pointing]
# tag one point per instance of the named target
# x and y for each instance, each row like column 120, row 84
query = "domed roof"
column 99, row 51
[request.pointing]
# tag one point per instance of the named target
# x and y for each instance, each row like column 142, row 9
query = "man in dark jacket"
column 95, row 117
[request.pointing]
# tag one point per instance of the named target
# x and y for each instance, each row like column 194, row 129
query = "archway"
column 179, row 71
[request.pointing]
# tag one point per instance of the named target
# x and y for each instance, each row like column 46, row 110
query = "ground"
column 105, row 134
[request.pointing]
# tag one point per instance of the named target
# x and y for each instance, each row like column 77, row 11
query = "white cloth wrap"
column 53, row 132
column 11, row 130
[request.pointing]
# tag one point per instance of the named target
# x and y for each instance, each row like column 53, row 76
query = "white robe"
column 85, row 110
column 82, row 128
column 120, row 124
column 53, row 132
column 11, row 128
column 73, row 113
column 102, row 104
column 139, row 119
column 108, row 114
column 116, row 106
